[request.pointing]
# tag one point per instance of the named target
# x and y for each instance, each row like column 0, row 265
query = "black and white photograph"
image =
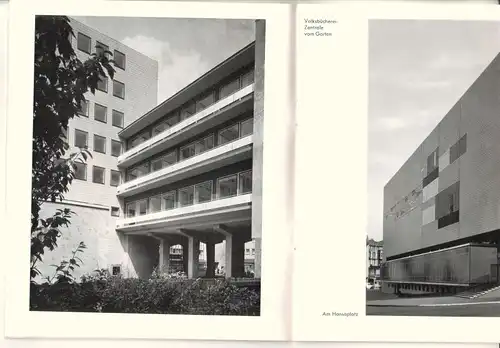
column 433, row 237
column 147, row 165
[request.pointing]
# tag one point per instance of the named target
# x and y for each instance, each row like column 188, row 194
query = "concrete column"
column 210, row 250
column 193, row 253
column 164, row 263
column 185, row 257
column 258, row 258
column 238, row 257
column 228, row 256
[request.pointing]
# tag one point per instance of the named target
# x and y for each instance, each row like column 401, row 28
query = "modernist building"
column 166, row 183
column 442, row 208
column 374, row 256
column 191, row 168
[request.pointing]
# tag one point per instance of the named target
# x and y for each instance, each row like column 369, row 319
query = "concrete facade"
column 448, row 192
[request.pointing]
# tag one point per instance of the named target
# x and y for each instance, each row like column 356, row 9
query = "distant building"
column 374, row 256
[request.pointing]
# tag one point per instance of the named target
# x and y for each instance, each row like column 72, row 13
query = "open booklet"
column 306, row 172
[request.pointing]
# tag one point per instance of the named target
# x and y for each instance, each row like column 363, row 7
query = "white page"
column 333, row 214
column 273, row 323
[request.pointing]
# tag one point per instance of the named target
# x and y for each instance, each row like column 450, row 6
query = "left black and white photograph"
column 147, row 165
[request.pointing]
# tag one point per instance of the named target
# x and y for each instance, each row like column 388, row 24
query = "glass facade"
column 464, row 265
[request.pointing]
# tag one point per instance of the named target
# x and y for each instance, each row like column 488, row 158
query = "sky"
column 184, row 48
column 417, row 71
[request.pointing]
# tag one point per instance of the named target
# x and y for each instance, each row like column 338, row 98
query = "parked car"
column 369, row 286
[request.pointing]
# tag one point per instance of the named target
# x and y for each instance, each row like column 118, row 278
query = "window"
column 203, row 192
column 115, row 211
column 432, row 161
column 131, row 209
column 81, row 139
column 118, row 89
column 186, row 196
column 155, row 204
column 80, row 171
column 102, row 84
column 84, row 108
column 116, row 270
column 98, row 175
column 245, row 184
column 100, row 113
column 117, row 118
column 187, row 111
column 205, row 102
column 84, row 43
column 448, row 205
column 458, row 149
column 229, row 88
column 101, row 49
column 187, row 151
column 204, row 144
column 246, row 127
column 119, row 59
column 139, row 139
column 116, row 148
column 142, row 207
column 247, row 79
column 229, row 134
column 114, row 178
column 227, row 187
column 137, row 172
column 164, row 161
column 168, row 200
column 99, row 144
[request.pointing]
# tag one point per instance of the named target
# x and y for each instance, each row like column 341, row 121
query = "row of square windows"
column 203, row 101
column 101, row 113
column 233, row 132
column 81, row 141
column 84, row 44
column 98, row 174
column 228, row 186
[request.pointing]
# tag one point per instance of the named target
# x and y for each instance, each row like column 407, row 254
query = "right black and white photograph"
column 433, row 232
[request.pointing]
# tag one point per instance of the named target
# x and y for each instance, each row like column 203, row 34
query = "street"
column 476, row 310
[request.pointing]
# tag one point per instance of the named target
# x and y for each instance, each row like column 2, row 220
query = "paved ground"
column 477, row 310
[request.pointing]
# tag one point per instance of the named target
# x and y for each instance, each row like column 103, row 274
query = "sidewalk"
column 432, row 301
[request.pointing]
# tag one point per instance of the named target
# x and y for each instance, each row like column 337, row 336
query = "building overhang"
column 240, row 59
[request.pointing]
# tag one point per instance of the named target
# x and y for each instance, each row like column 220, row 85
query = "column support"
column 210, row 248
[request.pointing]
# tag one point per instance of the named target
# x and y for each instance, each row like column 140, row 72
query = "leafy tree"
column 60, row 82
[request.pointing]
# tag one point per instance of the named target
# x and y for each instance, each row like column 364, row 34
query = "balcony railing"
column 223, row 151
column 212, row 207
column 179, row 127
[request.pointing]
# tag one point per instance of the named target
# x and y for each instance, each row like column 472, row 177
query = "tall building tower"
column 92, row 195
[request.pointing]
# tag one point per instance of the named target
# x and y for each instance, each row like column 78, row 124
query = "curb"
column 457, row 304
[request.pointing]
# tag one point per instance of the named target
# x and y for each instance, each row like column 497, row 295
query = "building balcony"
column 214, row 158
column 216, row 114
column 200, row 216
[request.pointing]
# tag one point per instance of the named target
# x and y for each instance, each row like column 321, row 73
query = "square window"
column 142, row 207
column 102, row 84
column 227, row 187
column 164, row 161
column 229, row 88
column 168, row 200
column 101, row 49
column 114, row 178
column 131, row 209
column 246, row 127
column 187, row 151
column 203, row 192
column 205, row 101
column 155, row 204
column 116, row 270
column 139, row 139
column 186, row 196
column 137, row 172
column 83, row 110
column 204, row 144
column 84, row 43
column 80, row 171
column 119, row 59
column 245, row 185
column 117, row 118
column 99, row 144
column 100, row 113
column 115, row 211
column 247, row 78
column 116, row 148
column 187, row 111
column 229, row 134
column 118, row 89
column 98, row 175
column 81, row 139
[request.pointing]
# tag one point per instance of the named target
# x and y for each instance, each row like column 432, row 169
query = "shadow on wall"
column 144, row 255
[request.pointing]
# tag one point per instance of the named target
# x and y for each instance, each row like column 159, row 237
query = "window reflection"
column 227, row 187
column 186, row 196
column 229, row 134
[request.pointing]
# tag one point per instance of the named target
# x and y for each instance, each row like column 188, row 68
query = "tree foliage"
column 60, row 82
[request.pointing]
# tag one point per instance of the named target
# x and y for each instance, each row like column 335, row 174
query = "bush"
column 101, row 292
